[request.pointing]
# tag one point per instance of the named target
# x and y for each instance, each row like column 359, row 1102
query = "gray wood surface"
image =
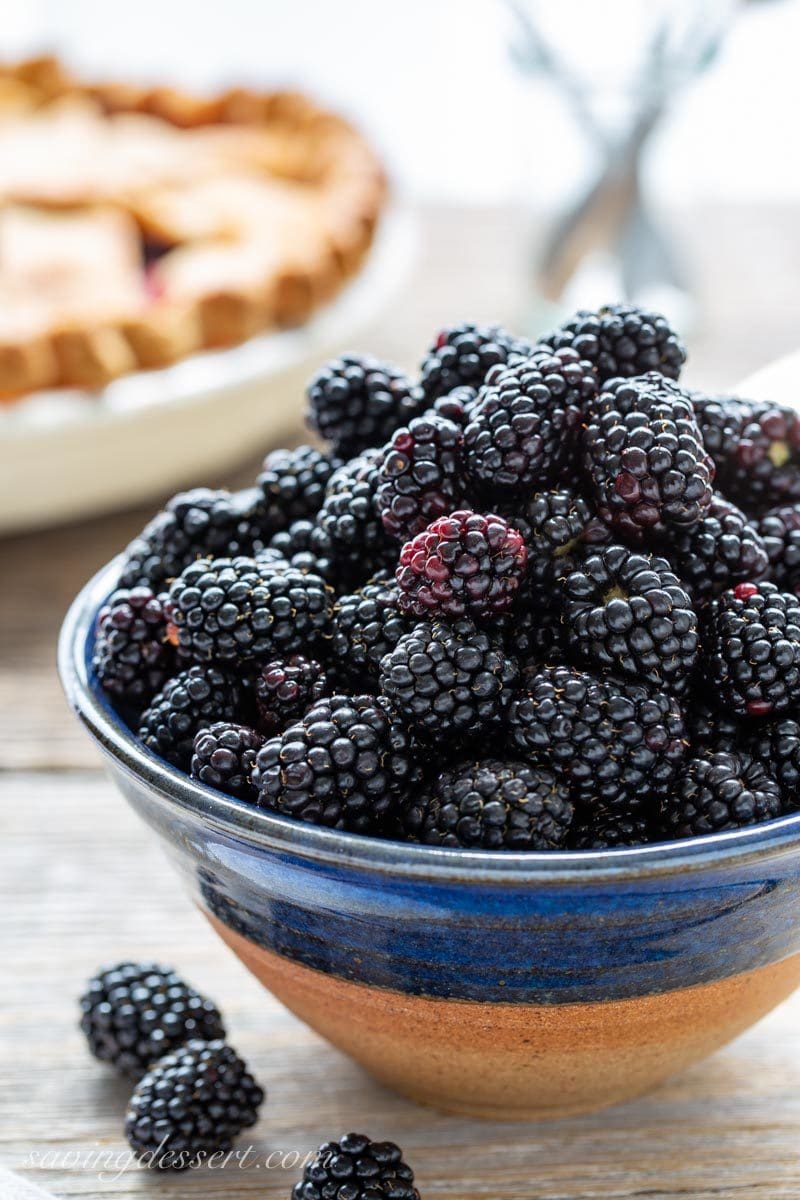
column 83, row 882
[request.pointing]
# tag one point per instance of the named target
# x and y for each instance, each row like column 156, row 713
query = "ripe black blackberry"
column 776, row 745
column 134, row 1013
column 367, row 624
column 756, row 446
column 306, row 546
column 492, row 804
column 524, row 428
column 648, row 465
column 420, row 476
column 466, row 564
column 722, row 549
column 721, row 420
column 449, row 680
column 244, row 611
column 191, row 700
column 223, row 757
column 285, row 689
column 131, row 656
column 627, row 612
column 621, row 339
column 556, row 526
column 751, row 649
column 780, row 531
column 533, row 635
column 343, row 765
column 358, row 543
column 720, row 791
column 356, row 402
column 455, row 406
column 616, row 743
column 294, row 483
column 711, row 729
column 192, row 1104
column 464, row 354
column 355, row 1168
column 596, row 829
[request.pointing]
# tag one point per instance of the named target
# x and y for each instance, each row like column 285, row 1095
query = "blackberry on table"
column 617, row 743
column 419, row 477
column 780, row 530
column 343, row 765
column 556, row 526
column 464, row 354
column 285, row 688
column 449, row 680
column 134, row 1013
column 223, row 757
column 356, row 402
column 294, row 482
column 524, row 427
column 191, row 700
column 721, row 791
column 751, row 649
column 132, row 659
column 192, row 1104
column 464, row 564
column 355, row 1168
column 621, row 340
column 722, row 549
column 626, row 611
column 492, row 804
column 358, row 543
column 367, row 624
column 598, row 829
column 776, row 745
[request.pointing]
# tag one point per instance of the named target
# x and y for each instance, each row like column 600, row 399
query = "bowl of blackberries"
column 474, row 727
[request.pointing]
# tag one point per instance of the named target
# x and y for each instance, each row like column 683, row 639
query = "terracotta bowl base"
column 519, row 1061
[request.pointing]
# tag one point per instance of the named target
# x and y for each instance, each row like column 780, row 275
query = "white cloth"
column 13, row 1187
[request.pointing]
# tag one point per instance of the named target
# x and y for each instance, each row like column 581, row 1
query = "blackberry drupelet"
column 617, row 743
column 751, row 649
column 780, row 530
column 356, row 402
column 621, row 339
column 191, row 700
column 455, row 406
column 776, row 745
column 721, row 550
column 524, row 428
column 134, row 1013
column 556, row 526
column 343, row 765
column 192, row 1104
column 366, row 625
column 223, row 757
column 464, row 355
column 358, row 543
column 466, row 564
column 355, row 1168
column 244, row 611
column 601, row 830
column 285, row 689
column 627, row 612
column 449, row 680
column 722, row 791
column 294, row 482
column 306, row 546
column 131, row 657
column 419, row 477
column 492, row 804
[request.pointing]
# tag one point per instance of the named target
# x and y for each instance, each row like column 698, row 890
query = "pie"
column 139, row 225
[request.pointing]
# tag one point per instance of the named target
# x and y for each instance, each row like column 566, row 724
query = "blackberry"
column 780, row 531
column 492, row 804
column 533, row 635
column 131, row 657
column 721, row 550
column 710, row 729
column 621, row 339
column 722, row 791
column 776, row 745
column 602, row 830
column 464, row 564
column 134, row 1013
column 648, row 466
column 721, row 420
column 242, row 611
column 751, row 642
column 616, row 743
column 294, row 482
column 358, row 542
column 223, row 757
column 343, row 765
column 285, row 689
column 454, row 406
column 190, row 701
column 356, row 402
column 197, row 524
column 627, row 612
column 464, row 355
column 524, row 429
column 366, row 625
column 449, row 680
column 556, row 525
column 764, row 468
column 306, row 546
column 355, row 1168
column 192, row 1104
column 419, row 477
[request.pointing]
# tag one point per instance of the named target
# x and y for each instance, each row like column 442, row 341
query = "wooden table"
column 85, row 883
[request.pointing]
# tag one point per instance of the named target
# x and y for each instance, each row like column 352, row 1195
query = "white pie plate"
column 71, row 454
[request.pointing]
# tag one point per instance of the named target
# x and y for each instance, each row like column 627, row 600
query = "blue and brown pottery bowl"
column 506, row 985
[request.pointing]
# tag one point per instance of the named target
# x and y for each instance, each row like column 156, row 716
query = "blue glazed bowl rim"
column 259, row 827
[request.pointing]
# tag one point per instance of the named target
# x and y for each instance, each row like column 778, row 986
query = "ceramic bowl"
column 504, row 985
